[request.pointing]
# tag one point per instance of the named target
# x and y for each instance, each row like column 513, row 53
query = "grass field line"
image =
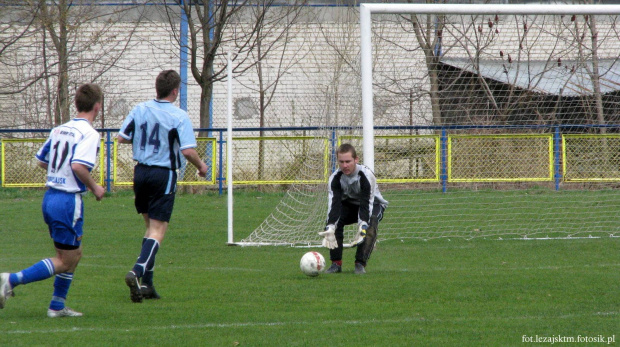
column 511, row 268
column 504, row 267
column 433, row 269
column 296, row 323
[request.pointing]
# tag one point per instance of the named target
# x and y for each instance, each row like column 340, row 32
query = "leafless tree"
column 270, row 54
column 257, row 30
column 53, row 46
column 210, row 26
column 77, row 30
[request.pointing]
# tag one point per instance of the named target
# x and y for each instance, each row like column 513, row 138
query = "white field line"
column 504, row 267
column 280, row 324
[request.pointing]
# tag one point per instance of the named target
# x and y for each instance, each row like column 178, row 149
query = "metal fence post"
column 108, row 154
column 556, row 158
column 444, row 160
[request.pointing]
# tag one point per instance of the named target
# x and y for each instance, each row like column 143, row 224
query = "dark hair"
column 347, row 148
column 86, row 96
column 166, row 82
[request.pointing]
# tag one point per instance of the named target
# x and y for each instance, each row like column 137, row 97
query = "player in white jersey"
column 68, row 155
column 354, row 198
column 159, row 133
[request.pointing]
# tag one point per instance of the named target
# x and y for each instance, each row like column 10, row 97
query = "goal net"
column 479, row 121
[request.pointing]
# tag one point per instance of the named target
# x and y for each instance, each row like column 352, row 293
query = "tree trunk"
column 205, row 102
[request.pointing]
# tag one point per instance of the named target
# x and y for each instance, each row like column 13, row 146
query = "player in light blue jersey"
column 68, row 155
column 159, row 133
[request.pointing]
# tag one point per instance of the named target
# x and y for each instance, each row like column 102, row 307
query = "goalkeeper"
column 354, row 197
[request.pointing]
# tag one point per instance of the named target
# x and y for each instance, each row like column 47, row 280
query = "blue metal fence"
column 333, row 133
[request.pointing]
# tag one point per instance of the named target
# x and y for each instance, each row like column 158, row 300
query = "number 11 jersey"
column 73, row 142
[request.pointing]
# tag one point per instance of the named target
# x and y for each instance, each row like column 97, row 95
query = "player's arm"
column 125, row 134
column 122, row 140
column 366, row 198
column 82, row 173
column 366, row 201
column 192, row 156
column 334, row 209
column 42, row 155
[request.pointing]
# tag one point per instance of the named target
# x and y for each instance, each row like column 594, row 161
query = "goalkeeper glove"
column 329, row 237
column 360, row 236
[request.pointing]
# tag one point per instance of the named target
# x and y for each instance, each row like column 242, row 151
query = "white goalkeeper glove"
column 360, row 236
column 329, row 237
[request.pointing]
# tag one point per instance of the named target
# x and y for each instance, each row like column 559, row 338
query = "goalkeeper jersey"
column 360, row 188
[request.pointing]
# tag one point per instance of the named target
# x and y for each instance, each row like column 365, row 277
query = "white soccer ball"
column 312, row 264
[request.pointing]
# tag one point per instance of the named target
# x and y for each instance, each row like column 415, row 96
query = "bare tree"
column 270, row 54
column 16, row 25
column 209, row 26
column 61, row 44
column 429, row 38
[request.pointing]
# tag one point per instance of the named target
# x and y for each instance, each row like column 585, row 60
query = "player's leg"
column 146, row 286
column 63, row 214
column 335, row 255
column 146, row 262
column 348, row 215
column 155, row 193
column 150, row 245
column 39, row 271
column 67, row 236
column 65, row 262
column 141, row 188
column 362, row 254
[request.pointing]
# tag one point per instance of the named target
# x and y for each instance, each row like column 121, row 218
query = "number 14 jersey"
column 73, row 142
column 159, row 131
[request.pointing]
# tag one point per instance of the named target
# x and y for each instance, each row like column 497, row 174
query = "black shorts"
column 350, row 212
column 155, row 189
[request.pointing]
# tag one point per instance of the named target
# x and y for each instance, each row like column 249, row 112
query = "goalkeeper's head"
column 347, row 158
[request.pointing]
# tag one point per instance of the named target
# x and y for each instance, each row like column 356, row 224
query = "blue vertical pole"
column 220, row 176
column 556, row 158
column 334, row 143
column 209, row 151
column 444, row 160
column 108, row 156
column 183, row 59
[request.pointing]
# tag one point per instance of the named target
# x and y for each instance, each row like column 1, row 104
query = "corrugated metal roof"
column 566, row 78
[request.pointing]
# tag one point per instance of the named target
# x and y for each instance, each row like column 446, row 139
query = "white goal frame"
column 366, row 11
column 299, row 216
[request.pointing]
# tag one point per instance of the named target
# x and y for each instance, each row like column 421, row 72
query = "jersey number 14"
column 153, row 138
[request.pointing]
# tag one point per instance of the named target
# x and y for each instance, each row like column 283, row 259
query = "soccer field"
column 436, row 293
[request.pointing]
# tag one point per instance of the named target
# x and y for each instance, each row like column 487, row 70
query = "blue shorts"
column 63, row 212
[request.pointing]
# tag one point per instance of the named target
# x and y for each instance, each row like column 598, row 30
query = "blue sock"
column 61, row 288
column 147, row 278
column 146, row 258
column 37, row 272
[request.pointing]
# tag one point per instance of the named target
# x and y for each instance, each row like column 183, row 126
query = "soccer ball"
column 312, row 264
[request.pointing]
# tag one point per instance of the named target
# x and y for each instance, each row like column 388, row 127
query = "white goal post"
column 479, row 121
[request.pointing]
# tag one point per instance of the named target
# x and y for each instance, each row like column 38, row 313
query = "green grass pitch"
column 436, row 293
